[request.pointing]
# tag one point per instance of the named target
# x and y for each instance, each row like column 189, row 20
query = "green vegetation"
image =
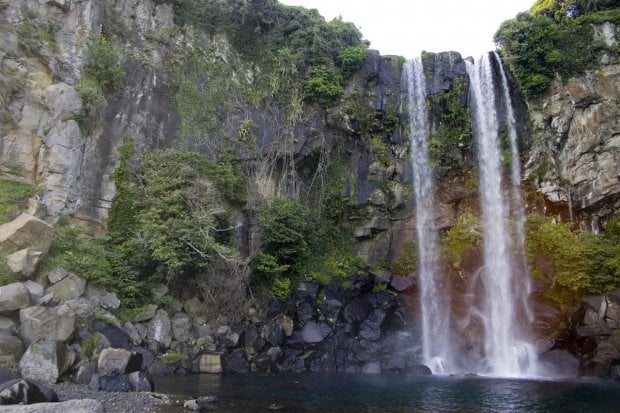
column 463, row 237
column 103, row 76
column 284, row 226
column 351, row 59
column 337, row 265
column 323, row 85
column 555, row 38
column 452, row 142
column 407, row 263
column 574, row 260
column 89, row 346
column 14, row 198
column 173, row 357
column 34, row 35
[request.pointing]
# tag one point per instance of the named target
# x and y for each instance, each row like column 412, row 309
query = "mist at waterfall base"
column 345, row 393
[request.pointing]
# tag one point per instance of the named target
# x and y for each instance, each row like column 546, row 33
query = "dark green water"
column 379, row 393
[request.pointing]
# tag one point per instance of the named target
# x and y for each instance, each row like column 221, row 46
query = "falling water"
column 507, row 354
column 517, row 200
column 435, row 319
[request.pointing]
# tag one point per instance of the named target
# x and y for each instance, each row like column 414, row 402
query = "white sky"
column 406, row 28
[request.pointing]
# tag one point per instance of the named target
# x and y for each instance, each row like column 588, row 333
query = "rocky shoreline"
column 121, row 402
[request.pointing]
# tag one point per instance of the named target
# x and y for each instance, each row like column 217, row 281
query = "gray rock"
column 147, row 314
column 194, row 307
column 53, row 323
column 7, row 324
column 24, row 232
column 13, row 297
column 10, row 345
column 277, row 329
column 133, row 333
column 45, row 361
column 159, row 291
column 181, row 327
column 140, row 381
column 73, row 406
column 23, row 391
column 559, row 364
column 69, row 288
column 313, row 332
column 85, row 372
column 111, row 380
column 24, row 262
column 372, row 367
column 57, row 274
column 34, row 288
column 159, row 329
column 107, row 300
column 120, row 359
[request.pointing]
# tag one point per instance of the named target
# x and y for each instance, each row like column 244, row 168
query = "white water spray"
column 507, row 354
column 434, row 309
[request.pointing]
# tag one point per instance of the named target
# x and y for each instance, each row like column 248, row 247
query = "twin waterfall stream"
column 502, row 281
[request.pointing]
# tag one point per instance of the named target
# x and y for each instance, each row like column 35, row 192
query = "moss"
column 89, row 346
column 463, row 237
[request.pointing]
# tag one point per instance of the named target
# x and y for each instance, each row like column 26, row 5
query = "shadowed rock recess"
column 217, row 187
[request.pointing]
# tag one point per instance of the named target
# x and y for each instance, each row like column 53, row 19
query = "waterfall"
column 434, row 309
column 507, row 353
column 517, row 200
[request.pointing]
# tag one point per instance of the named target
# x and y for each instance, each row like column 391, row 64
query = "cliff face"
column 576, row 126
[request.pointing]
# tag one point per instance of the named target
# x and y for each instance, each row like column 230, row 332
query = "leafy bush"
column 351, row 59
column 93, row 102
column 604, row 257
column 323, row 85
column 565, row 251
column 407, row 262
column 89, row 346
column 102, row 63
column 284, row 227
column 13, row 198
column 281, row 287
column 547, row 42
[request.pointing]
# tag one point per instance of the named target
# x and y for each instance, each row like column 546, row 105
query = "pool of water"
column 393, row 393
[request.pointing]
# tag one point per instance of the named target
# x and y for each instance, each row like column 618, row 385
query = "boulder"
column 370, row 329
column 402, row 284
column 57, row 274
column 111, row 380
column 107, row 300
column 140, row 381
column 133, row 333
column 24, row 391
column 69, row 288
column 44, row 361
column 356, row 311
column 559, row 364
column 53, row 323
column 194, row 307
column 159, row 329
column 25, row 231
column 34, row 288
column 210, row 363
column 116, row 336
column 7, row 324
column 290, row 361
column 85, row 372
column 159, row 292
column 13, row 297
column 10, row 345
column 372, row 367
column 120, row 359
column 7, row 375
column 235, row 362
column 181, row 327
column 314, row 332
column 73, row 406
column 277, row 329
column 145, row 315
column 24, row 262
column 227, row 336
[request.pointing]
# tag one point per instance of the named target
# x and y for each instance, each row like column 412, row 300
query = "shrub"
column 281, row 287
column 564, row 249
column 351, row 59
column 323, row 85
column 89, row 345
column 102, row 63
column 93, row 102
column 604, row 257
